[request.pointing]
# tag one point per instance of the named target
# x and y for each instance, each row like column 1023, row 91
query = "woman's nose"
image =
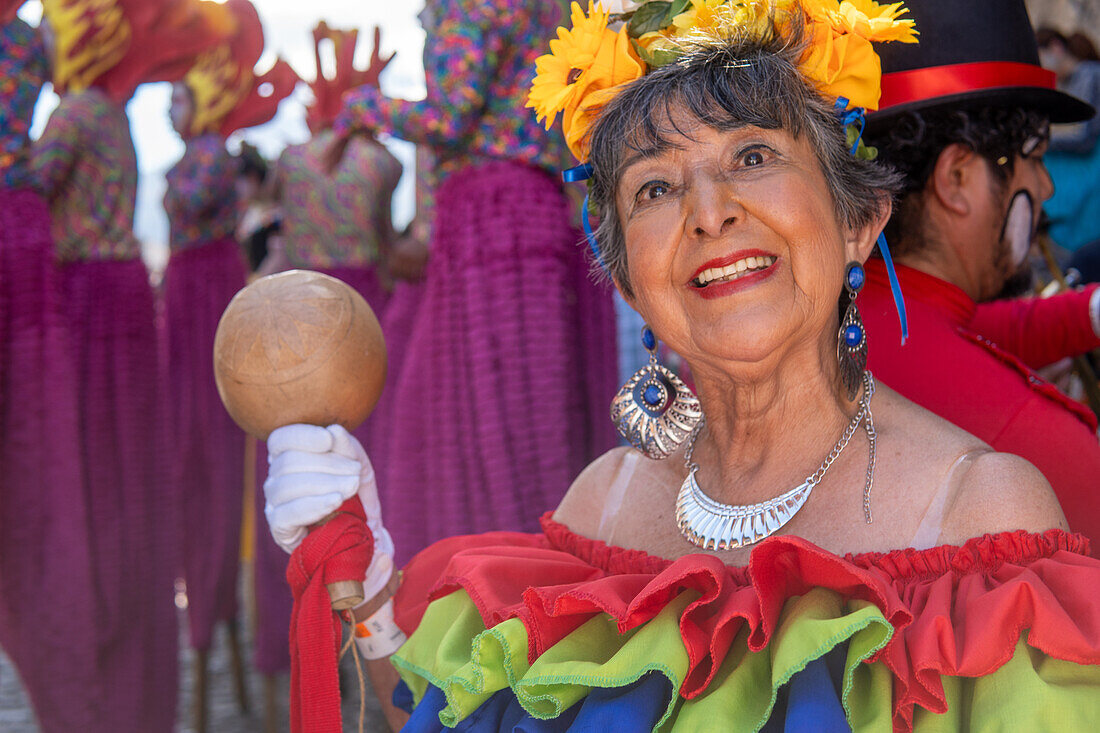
column 713, row 209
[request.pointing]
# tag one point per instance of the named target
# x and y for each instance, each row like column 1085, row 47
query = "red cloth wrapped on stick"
column 340, row 549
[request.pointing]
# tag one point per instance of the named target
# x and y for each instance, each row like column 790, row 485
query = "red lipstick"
column 718, row 290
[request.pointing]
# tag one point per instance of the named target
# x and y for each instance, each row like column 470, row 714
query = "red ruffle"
column 955, row 610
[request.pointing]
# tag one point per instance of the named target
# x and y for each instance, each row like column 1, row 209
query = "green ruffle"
column 453, row 650
column 1034, row 691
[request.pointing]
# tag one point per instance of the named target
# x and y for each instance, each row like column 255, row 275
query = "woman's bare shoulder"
column 994, row 492
column 1001, row 492
column 583, row 505
column 621, row 480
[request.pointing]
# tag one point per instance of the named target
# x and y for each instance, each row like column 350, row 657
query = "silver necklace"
column 713, row 525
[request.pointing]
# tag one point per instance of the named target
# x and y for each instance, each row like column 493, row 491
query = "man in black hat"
column 964, row 116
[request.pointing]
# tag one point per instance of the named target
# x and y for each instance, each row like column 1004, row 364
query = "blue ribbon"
column 853, row 116
column 857, row 116
column 895, row 286
column 577, row 174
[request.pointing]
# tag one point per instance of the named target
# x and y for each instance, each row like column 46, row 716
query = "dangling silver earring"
column 655, row 411
column 851, row 346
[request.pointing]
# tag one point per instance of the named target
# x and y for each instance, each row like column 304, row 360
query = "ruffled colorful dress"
column 206, row 454
column 554, row 631
column 46, row 580
column 511, row 324
column 87, row 168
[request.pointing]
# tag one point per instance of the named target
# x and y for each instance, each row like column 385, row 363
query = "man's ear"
column 860, row 241
column 951, row 184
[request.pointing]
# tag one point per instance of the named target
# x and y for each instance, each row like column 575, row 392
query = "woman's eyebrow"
column 640, row 155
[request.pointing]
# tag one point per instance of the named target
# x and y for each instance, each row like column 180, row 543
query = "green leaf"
column 863, row 152
column 653, row 16
column 678, row 6
column 866, row 152
column 657, row 57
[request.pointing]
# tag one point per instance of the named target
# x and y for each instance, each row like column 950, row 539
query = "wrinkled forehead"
column 675, row 122
column 655, row 115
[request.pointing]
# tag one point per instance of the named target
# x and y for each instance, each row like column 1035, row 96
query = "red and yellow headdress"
column 115, row 45
column 227, row 94
column 328, row 90
column 589, row 62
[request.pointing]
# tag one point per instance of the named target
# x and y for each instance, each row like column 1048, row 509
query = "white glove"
column 312, row 471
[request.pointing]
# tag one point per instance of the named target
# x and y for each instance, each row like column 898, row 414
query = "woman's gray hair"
column 740, row 83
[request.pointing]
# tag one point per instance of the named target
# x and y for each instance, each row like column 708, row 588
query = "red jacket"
column 970, row 364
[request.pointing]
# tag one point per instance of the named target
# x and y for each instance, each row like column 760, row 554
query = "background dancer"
column 219, row 95
column 510, row 317
column 45, row 576
column 86, row 166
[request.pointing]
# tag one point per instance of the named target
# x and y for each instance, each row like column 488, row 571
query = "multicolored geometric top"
column 86, row 167
column 201, row 199
column 479, row 58
column 23, row 71
column 563, row 632
column 338, row 219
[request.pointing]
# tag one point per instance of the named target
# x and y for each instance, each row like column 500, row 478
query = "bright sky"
column 287, row 27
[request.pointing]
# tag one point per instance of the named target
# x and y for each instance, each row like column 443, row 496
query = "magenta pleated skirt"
column 205, row 447
column 273, row 599
column 131, row 511
column 502, row 396
column 47, row 592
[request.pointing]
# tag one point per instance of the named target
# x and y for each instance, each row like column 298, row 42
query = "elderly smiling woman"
column 798, row 547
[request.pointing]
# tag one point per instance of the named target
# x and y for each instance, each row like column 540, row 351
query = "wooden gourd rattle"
column 300, row 347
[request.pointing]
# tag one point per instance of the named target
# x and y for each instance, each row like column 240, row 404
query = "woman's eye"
column 752, row 158
column 653, row 189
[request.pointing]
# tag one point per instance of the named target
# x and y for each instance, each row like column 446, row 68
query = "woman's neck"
column 769, row 426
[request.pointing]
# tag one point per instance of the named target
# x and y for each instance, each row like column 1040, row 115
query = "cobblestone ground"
column 224, row 716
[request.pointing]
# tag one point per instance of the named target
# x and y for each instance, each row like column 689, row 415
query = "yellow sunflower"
column 867, row 18
column 615, row 64
column 560, row 74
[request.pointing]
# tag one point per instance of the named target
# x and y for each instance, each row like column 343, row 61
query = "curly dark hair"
column 913, row 143
column 741, row 83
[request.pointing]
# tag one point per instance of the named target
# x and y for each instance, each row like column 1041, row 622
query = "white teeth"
column 732, row 272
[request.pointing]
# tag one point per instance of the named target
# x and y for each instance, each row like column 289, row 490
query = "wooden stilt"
column 202, row 658
column 271, row 709
column 237, row 661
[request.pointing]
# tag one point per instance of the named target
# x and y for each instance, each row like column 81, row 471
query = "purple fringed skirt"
column 133, row 526
column 502, row 396
column 273, row 599
column 47, row 598
column 205, row 458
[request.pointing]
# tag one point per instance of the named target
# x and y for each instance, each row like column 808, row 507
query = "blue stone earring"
column 851, row 347
column 655, row 411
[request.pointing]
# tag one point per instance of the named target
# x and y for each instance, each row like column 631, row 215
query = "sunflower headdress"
column 227, row 94
column 589, row 62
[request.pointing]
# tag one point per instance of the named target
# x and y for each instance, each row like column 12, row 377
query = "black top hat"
column 971, row 53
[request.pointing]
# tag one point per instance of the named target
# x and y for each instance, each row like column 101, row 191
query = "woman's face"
column 734, row 249
column 182, row 109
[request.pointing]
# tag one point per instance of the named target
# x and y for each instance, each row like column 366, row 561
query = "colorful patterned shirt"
column 201, row 199
column 87, row 168
column 340, row 219
column 23, row 71
column 479, row 60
